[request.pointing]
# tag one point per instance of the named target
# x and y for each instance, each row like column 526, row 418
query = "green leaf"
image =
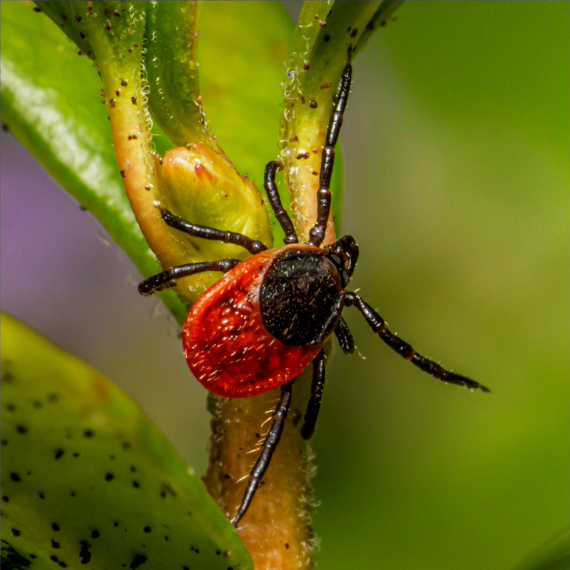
column 172, row 71
column 554, row 555
column 87, row 476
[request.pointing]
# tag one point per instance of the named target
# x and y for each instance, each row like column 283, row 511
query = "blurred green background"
column 457, row 151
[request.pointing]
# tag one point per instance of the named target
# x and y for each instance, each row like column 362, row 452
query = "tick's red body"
column 226, row 344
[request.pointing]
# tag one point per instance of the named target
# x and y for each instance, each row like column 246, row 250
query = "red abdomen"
column 226, row 344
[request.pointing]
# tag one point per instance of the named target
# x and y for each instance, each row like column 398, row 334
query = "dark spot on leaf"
column 136, row 484
column 76, row 454
column 21, row 429
column 54, row 544
column 126, row 445
column 108, row 26
column 77, row 17
column 41, row 495
column 166, row 488
column 59, row 453
column 327, row 37
column 37, row 404
column 55, row 527
column 123, row 82
column 137, row 561
column 147, row 529
column 12, row 559
column 88, row 433
column 53, row 398
column 54, row 558
column 5, row 498
column 95, row 534
column 133, row 468
column 354, row 32
column 62, row 564
column 15, row 477
column 313, row 104
column 16, row 532
column 36, row 9
column 10, row 407
column 84, row 553
column 116, row 524
column 109, row 477
column 166, row 538
column 134, row 100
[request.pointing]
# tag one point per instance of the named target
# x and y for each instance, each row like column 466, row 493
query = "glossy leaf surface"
column 86, row 476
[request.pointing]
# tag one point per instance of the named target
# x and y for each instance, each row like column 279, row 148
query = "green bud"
column 202, row 186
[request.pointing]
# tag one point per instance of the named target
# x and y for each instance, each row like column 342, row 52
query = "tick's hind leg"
column 252, row 245
column 269, row 446
column 317, row 388
column 378, row 325
column 167, row 278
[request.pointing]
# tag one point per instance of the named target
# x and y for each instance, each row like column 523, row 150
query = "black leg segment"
column 378, row 325
column 344, row 337
column 275, row 201
column 269, row 446
column 167, row 278
column 252, row 245
column 317, row 389
column 317, row 233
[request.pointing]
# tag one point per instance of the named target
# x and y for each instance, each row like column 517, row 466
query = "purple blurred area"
column 58, row 269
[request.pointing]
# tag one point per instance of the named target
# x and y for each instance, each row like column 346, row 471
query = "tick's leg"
column 252, row 245
column 317, row 388
column 378, row 325
column 269, row 446
column 275, row 201
column 344, row 337
column 317, row 233
column 167, row 278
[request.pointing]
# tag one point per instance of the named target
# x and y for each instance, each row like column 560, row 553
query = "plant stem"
column 276, row 529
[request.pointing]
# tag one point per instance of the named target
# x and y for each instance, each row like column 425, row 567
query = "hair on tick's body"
column 269, row 316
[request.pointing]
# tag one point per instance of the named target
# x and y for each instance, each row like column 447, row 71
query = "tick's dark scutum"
column 301, row 297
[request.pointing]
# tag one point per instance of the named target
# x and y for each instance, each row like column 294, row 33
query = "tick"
column 269, row 316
